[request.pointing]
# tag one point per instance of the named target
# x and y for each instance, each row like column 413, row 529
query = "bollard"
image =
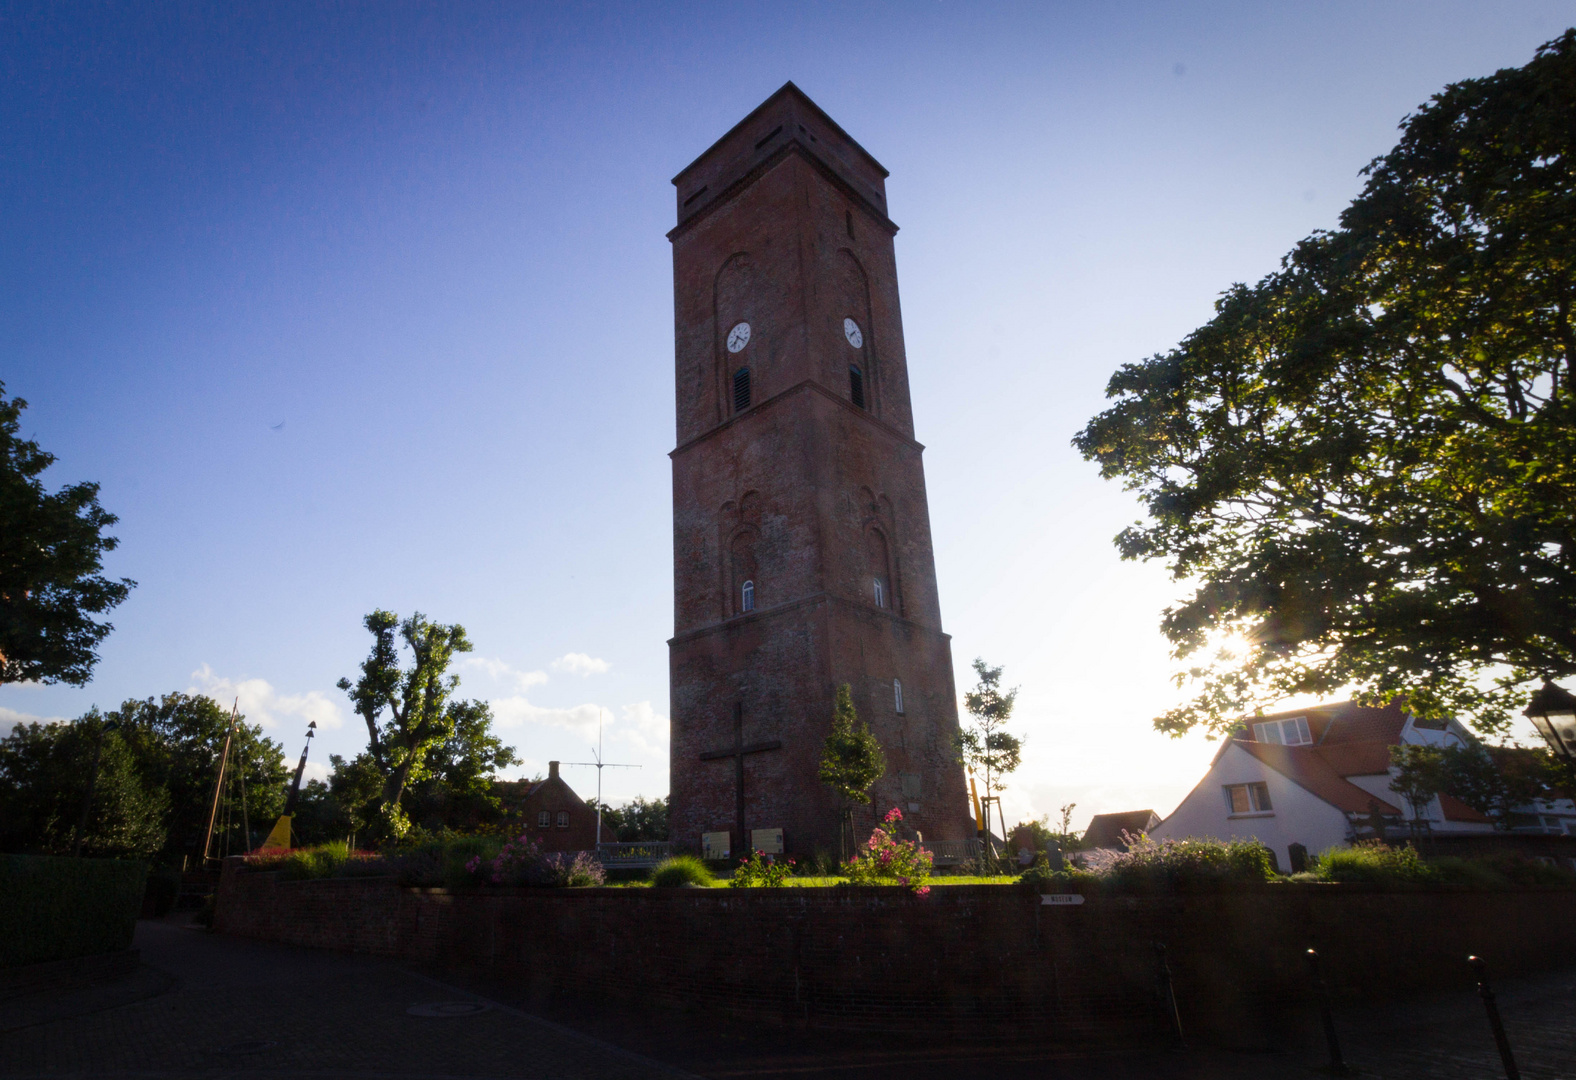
column 1480, row 970
column 1168, row 996
column 1337, row 1062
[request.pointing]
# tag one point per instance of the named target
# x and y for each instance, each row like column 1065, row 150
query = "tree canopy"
column 414, row 730
column 1364, row 466
column 51, row 555
column 851, row 758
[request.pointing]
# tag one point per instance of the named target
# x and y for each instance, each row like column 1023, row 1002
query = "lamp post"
column 1552, row 711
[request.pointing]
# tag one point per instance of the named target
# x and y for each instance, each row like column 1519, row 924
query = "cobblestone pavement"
column 205, row 1006
column 233, row 1008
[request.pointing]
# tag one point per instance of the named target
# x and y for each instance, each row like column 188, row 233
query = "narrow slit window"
column 897, row 695
column 856, row 385
column 741, row 389
column 880, row 593
column 747, row 597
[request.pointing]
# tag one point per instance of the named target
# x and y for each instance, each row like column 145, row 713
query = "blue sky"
column 365, row 305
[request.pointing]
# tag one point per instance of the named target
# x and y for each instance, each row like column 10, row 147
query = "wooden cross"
column 737, row 754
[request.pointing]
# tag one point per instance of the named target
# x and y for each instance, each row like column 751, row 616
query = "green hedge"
column 54, row 908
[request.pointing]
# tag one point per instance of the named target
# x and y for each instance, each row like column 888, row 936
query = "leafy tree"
column 420, row 718
column 176, row 743
column 638, row 819
column 1419, row 776
column 851, row 760
column 987, row 746
column 1365, row 465
column 44, row 773
column 1495, row 781
column 457, row 791
column 51, row 549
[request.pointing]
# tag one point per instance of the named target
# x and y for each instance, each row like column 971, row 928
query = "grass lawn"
column 825, row 882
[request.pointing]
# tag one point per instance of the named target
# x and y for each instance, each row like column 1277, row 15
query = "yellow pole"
column 979, row 821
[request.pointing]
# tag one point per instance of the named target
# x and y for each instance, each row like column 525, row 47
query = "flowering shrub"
column 760, row 871
column 323, row 861
column 887, row 860
column 521, row 862
column 1171, row 864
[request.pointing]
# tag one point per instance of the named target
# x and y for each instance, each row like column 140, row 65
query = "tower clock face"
column 851, row 332
column 739, row 337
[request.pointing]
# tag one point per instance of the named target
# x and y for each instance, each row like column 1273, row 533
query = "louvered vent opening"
column 856, row 386
column 741, row 389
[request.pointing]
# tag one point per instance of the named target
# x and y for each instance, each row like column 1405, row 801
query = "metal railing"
column 951, row 852
column 640, row 855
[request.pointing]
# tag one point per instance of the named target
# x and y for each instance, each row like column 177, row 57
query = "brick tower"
column 801, row 536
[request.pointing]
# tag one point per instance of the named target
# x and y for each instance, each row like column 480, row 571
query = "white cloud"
column 643, row 728
column 579, row 663
column 262, row 704
column 501, row 671
column 516, row 711
column 10, row 719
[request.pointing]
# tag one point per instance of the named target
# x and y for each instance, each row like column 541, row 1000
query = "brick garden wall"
column 969, row 960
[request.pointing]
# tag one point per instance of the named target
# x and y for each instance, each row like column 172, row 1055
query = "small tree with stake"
column 850, row 762
column 986, row 745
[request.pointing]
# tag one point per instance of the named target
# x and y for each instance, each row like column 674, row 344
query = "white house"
column 1319, row 778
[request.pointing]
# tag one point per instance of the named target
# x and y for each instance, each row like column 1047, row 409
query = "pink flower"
column 923, row 890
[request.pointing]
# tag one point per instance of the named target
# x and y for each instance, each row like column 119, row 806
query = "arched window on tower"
column 897, row 695
column 856, row 385
column 747, row 597
column 741, row 389
column 745, row 574
column 880, row 593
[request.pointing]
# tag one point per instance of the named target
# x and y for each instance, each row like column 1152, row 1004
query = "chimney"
column 552, row 770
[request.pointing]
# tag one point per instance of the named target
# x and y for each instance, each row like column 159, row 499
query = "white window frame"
column 1255, row 798
column 563, row 819
column 544, row 819
column 747, row 596
column 897, row 696
column 1292, row 732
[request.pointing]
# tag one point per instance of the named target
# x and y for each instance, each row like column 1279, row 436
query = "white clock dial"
column 739, row 337
column 851, row 332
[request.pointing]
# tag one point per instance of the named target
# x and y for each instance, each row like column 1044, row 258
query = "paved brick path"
column 248, row 1009
column 206, row 1006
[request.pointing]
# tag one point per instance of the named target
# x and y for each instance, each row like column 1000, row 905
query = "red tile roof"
column 1456, row 810
column 1105, row 830
column 1306, row 767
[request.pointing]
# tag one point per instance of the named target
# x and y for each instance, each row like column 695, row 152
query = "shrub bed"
column 54, row 908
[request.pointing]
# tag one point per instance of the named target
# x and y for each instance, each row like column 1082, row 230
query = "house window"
column 563, row 819
column 856, row 385
column 747, row 597
column 880, row 593
column 543, row 819
column 1293, row 732
column 1248, row 798
column 741, row 389
column 897, row 694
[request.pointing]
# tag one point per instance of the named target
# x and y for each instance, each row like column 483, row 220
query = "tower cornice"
column 802, row 386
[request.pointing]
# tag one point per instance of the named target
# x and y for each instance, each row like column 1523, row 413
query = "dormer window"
column 1293, row 732
column 880, row 591
column 747, row 597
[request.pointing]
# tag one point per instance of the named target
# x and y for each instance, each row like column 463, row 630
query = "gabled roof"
column 1307, row 768
column 1105, row 830
column 1343, row 722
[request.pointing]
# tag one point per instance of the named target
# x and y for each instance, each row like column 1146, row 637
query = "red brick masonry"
column 970, row 959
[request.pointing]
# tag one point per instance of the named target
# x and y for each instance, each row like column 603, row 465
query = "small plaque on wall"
column 715, row 845
column 769, row 841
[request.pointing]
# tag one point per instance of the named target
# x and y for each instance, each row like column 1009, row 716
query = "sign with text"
column 769, row 841
column 1061, row 899
column 715, row 845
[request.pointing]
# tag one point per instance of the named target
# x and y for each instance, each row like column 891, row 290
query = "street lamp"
column 1552, row 711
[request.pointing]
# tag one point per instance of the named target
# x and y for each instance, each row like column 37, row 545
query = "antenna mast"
column 599, row 765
